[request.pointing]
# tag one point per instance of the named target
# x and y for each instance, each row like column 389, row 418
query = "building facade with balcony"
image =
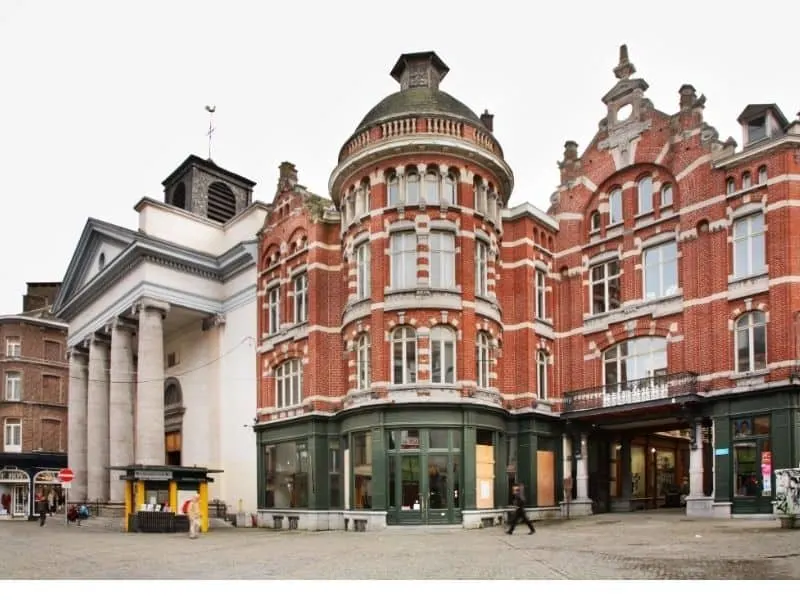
column 422, row 345
column 162, row 326
column 33, row 408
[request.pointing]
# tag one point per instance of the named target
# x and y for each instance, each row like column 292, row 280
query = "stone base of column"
column 576, row 508
column 700, row 507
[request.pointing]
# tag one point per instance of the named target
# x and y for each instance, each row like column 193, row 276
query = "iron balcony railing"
column 633, row 391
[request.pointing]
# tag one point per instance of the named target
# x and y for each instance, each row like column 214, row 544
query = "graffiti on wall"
column 787, row 492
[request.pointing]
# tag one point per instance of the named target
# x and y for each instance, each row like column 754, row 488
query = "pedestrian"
column 518, row 500
column 194, row 516
column 41, row 506
column 51, row 501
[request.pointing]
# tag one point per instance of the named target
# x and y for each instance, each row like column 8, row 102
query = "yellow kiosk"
column 155, row 496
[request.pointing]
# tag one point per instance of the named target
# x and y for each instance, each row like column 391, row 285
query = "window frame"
column 481, row 268
column 540, row 294
column 749, row 238
column 440, row 337
column 442, row 259
column 595, row 221
column 362, row 254
column 273, row 309
column 14, row 425
column 406, row 337
column 363, row 348
column 300, row 297
column 431, row 182
column 644, row 195
column 413, row 183
column 482, row 359
column 541, row 375
column 12, row 381
column 606, row 279
column 750, row 331
column 13, row 346
column 615, row 198
column 403, row 260
column 285, row 372
column 665, row 194
column 449, row 190
column 660, row 264
column 621, row 359
column 393, row 190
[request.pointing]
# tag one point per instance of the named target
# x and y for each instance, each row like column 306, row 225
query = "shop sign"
column 153, row 475
column 721, row 451
column 13, row 475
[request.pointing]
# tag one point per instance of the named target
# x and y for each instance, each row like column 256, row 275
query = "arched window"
column 615, row 206
column 362, row 362
column 393, row 190
column 412, row 187
column 404, row 356
column 746, row 182
column 179, row 196
column 594, row 221
column 482, row 360
column 443, row 355
column 541, row 375
column 645, row 193
column 751, row 342
column 479, row 195
column 730, row 185
column 221, row 202
column 642, row 360
column 289, row 383
column 666, row 195
column 431, row 187
column 762, row 175
column 449, row 190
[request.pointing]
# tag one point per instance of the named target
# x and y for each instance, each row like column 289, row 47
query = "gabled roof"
column 753, row 111
column 208, row 165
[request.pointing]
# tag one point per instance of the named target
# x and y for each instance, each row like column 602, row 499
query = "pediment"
column 100, row 244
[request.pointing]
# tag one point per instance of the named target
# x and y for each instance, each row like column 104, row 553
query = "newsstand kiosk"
column 155, row 496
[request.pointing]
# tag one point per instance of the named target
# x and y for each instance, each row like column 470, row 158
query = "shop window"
column 752, row 457
column 362, row 470
column 438, row 439
column 404, row 439
column 511, row 465
column 287, row 467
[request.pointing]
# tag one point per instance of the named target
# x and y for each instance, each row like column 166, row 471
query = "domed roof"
column 419, row 101
column 419, row 74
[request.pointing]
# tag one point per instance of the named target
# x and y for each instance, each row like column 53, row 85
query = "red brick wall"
column 45, row 384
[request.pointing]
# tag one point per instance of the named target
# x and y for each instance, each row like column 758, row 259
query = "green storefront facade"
column 754, row 434
column 416, row 464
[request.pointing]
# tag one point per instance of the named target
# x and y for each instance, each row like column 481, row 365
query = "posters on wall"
column 766, row 473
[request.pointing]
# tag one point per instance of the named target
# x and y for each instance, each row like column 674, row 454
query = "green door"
column 753, row 482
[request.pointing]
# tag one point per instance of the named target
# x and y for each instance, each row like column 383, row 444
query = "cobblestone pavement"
column 631, row 546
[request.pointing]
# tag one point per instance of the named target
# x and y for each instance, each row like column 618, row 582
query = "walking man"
column 518, row 500
column 41, row 506
column 194, row 516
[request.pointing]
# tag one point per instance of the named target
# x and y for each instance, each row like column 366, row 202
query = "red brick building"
column 423, row 345
column 33, row 408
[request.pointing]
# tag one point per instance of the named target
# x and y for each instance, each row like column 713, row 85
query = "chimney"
column 570, row 151
column 488, row 120
column 287, row 178
column 688, row 96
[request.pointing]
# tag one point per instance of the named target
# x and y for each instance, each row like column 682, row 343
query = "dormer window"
column 757, row 129
column 746, row 183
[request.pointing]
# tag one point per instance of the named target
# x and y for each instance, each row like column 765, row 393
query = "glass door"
column 441, row 490
column 19, row 501
column 752, row 476
column 409, row 492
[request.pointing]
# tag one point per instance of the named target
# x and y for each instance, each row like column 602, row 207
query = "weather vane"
column 211, row 108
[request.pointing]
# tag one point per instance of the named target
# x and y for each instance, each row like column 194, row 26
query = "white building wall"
column 237, row 394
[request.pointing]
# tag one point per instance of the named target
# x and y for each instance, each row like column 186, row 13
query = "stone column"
column 150, row 448
column 697, row 503
column 566, row 470
column 582, row 504
column 121, row 397
column 623, row 503
column 97, row 435
column 582, row 475
column 76, row 415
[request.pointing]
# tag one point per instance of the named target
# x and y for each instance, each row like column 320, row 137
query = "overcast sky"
column 101, row 100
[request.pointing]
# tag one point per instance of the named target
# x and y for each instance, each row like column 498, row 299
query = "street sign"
column 66, row 475
column 66, row 485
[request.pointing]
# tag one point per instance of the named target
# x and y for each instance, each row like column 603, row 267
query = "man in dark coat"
column 518, row 500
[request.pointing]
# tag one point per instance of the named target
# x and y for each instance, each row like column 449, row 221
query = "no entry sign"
column 66, row 475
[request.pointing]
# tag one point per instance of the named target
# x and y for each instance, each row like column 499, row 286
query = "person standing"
column 518, row 500
column 194, row 516
column 41, row 506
